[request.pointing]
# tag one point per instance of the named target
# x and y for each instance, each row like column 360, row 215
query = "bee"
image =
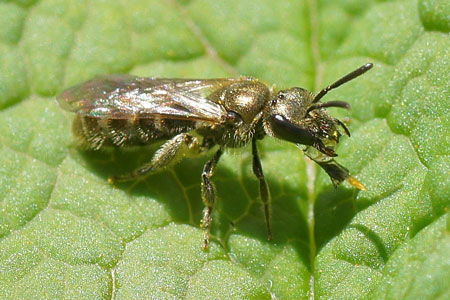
column 196, row 115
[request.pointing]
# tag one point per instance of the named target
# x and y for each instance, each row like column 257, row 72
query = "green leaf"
column 65, row 233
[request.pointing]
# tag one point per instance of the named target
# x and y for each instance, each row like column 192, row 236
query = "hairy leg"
column 162, row 157
column 263, row 188
column 208, row 196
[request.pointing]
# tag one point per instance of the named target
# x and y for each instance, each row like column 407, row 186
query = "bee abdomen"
column 89, row 132
column 95, row 133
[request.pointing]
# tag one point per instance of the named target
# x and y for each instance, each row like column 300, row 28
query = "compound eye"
column 288, row 131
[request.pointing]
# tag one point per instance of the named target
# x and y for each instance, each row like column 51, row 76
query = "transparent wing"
column 126, row 96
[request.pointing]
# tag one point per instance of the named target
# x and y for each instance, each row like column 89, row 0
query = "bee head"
column 293, row 116
column 297, row 115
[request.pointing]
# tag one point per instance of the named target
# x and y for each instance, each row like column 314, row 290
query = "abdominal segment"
column 95, row 133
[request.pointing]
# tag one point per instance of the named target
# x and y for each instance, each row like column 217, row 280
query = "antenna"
column 358, row 72
column 340, row 104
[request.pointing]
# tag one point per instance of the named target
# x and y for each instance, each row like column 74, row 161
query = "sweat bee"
column 199, row 114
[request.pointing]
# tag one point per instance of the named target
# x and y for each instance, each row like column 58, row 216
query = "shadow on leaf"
column 334, row 209
column 238, row 209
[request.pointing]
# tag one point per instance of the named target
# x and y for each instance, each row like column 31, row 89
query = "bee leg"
column 339, row 173
column 263, row 188
column 163, row 157
column 208, row 196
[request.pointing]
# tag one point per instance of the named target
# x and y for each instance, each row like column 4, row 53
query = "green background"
column 66, row 234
